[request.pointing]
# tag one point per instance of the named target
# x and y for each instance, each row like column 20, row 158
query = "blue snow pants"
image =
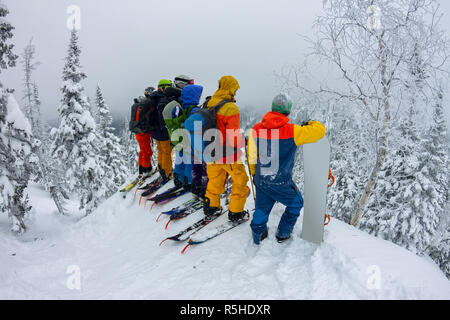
column 189, row 172
column 266, row 197
column 183, row 169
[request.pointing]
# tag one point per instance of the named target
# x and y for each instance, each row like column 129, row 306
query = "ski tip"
column 152, row 206
column 327, row 219
column 157, row 219
column 185, row 248
column 160, row 244
column 167, row 224
column 135, row 193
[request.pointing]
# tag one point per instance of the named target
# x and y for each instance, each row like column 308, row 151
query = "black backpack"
column 139, row 122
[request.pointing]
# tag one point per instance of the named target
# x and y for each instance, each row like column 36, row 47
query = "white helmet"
column 182, row 81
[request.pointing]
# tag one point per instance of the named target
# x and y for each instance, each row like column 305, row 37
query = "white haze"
column 129, row 45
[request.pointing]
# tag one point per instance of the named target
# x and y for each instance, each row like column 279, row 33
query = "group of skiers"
column 176, row 105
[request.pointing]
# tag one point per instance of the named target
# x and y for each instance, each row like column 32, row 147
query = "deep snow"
column 118, row 255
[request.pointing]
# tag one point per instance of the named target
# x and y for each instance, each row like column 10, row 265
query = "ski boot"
column 177, row 182
column 210, row 211
column 163, row 174
column 282, row 239
column 237, row 216
column 263, row 236
column 199, row 191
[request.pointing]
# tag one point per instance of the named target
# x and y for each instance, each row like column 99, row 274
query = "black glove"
column 305, row 123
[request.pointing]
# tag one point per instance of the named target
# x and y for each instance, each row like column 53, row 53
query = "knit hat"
column 282, row 103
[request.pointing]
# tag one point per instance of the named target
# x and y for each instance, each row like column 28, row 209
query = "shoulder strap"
column 220, row 105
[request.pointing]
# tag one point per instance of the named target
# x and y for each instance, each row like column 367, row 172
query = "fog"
column 130, row 45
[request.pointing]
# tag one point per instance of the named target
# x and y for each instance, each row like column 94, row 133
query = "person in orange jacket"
column 228, row 122
column 271, row 148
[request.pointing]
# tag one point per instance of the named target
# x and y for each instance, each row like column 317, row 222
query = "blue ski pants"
column 266, row 197
column 183, row 169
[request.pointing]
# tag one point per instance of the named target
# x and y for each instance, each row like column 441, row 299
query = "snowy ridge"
column 117, row 251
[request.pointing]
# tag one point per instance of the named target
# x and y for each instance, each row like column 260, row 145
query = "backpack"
column 139, row 120
column 208, row 119
column 176, row 121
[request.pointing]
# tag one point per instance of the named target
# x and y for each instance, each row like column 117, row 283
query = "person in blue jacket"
column 272, row 145
column 187, row 173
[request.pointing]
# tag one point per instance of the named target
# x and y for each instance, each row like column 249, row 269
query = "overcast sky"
column 128, row 45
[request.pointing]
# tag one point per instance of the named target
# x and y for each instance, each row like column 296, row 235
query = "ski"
column 198, row 238
column 152, row 190
column 186, row 233
column 139, row 181
column 187, row 208
column 181, row 208
column 167, row 198
column 169, row 195
column 152, row 184
column 184, row 213
column 131, row 185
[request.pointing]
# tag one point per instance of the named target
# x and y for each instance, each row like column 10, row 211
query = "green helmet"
column 282, row 103
column 164, row 83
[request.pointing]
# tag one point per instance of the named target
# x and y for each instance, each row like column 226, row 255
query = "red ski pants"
column 145, row 147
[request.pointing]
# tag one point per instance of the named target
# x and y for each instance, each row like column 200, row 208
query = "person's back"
column 228, row 119
column 228, row 122
column 272, row 146
column 186, row 172
column 276, row 141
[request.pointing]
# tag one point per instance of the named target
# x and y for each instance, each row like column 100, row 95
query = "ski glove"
column 305, row 123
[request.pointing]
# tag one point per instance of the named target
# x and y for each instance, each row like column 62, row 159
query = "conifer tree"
column 75, row 144
column 130, row 149
column 112, row 155
column 16, row 149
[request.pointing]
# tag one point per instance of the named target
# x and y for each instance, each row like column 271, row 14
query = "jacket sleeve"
column 231, row 118
column 312, row 132
column 252, row 152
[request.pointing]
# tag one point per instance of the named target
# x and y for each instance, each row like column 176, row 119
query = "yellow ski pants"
column 217, row 176
column 164, row 156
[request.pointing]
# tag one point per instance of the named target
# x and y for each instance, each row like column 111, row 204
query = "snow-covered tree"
column 112, row 155
column 431, row 185
column 17, row 160
column 31, row 106
column 372, row 61
column 75, row 144
column 391, row 211
column 16, row 145
column 130, row 149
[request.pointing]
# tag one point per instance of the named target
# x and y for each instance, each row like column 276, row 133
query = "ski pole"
column 227, row 201
column 248, row 167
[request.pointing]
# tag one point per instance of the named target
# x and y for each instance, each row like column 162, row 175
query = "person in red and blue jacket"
column 271, row 148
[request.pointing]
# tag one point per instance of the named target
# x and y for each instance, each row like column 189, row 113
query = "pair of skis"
column 138, row 182
column 193, row 237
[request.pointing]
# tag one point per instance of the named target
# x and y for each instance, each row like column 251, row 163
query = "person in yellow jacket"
column 271, row 149
column 228, row 123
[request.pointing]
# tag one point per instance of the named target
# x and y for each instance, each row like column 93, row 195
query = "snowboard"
column 316, row 160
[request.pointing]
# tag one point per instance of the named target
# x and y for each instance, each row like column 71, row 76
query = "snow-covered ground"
column 116, row 252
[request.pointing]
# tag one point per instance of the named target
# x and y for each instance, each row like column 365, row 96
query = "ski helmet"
column 148, row 91
column 163, row 84
column 182, row 81
column 282, row 103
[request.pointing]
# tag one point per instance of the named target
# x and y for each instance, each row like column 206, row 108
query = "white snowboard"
column 316, row 159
